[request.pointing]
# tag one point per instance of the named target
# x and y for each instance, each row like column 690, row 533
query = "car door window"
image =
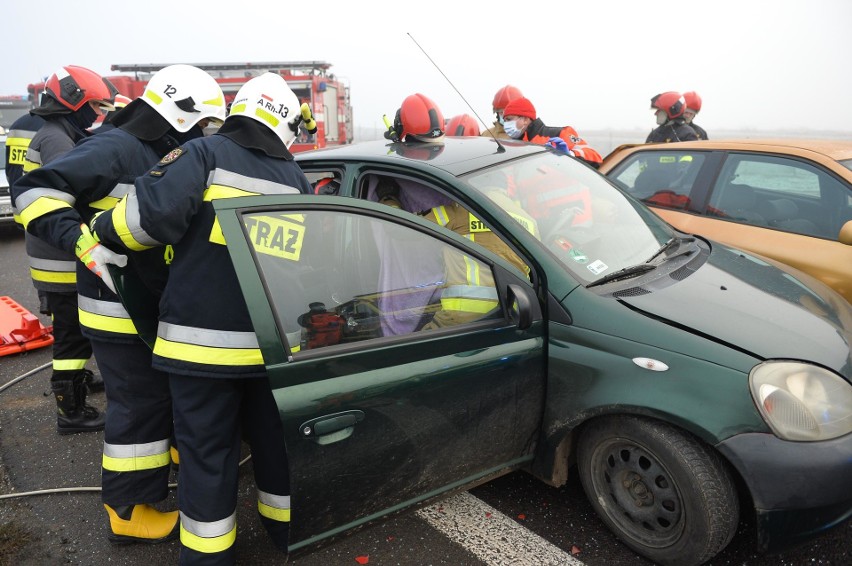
column 660, row 178
column 779, row 193
column 336, row 278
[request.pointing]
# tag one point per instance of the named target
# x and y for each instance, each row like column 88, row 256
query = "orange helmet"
column 418, row 116
column 671, row 102
column 121, row 101
column 462, row 125
column 504, row 96
column 74, row 86
column 693, row 101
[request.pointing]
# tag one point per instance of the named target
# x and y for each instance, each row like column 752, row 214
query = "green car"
column 677, row 376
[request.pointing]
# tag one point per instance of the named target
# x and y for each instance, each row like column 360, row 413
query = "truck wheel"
column 665, row 494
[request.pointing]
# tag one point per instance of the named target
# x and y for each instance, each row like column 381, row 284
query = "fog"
column 758, row 65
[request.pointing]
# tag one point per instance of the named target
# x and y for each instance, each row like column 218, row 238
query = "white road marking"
column 493, row 537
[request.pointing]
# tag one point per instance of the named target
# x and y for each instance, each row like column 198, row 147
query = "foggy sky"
column 757, row 64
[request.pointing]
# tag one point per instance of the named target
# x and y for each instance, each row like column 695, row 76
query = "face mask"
column 511, row 130
column 661, row 117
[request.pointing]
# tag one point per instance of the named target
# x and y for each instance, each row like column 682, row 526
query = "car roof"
column 460, row 155
column 837, row 150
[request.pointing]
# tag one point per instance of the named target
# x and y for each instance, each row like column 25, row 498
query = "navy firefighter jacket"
column 204, row 326
column 56, row 198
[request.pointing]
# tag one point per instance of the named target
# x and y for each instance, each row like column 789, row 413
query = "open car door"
column 381, row 412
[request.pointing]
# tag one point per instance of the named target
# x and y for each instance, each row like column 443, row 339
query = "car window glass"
column 660, row 178
column 572, row 211
column 423, row 200
column 779, row 193
column 337, row 278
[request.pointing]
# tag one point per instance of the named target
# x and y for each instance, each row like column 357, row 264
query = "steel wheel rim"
column 639, row 494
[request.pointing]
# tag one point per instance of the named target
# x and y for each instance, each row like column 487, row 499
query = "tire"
column 664, row 493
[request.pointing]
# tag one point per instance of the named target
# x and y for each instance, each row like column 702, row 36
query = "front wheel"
column 665, row 494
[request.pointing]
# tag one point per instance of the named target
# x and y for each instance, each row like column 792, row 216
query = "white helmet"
column 185, row 95
column 268, row 99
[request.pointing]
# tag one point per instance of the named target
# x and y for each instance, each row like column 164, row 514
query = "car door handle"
column 331, row 428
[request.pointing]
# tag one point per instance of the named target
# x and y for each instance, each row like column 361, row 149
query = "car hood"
column 768, row 310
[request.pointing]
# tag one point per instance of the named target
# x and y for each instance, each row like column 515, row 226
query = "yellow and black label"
column 477, row 225
column 17, row 155
column 276, row 236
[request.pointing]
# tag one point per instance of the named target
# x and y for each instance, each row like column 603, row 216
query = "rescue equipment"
column 20, row 330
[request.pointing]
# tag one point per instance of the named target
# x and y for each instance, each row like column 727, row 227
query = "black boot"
column 95, row 383
column 72, row 412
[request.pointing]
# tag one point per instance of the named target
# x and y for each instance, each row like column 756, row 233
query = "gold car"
column 788, row 200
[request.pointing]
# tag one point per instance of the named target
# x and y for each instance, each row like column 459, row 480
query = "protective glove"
column 96, row 257
column 308, row 118
column 559, row 144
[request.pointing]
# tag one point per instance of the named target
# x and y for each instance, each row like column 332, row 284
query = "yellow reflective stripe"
column 107, row 323
column 220, row 191
column 30, row 165
column 472, row 269
column 106, row 203
column 207, row 545
column 216, row 235
column 119, row 223
column 53, row 276
column 238, row 109
column 267, row 117
column 218, row 101
column 441, row 215
column 69, row 365
column 153, row 97
column 136, row 463
column 208, row 355
column 274, row 513
column 468, row 305
column 40, row 207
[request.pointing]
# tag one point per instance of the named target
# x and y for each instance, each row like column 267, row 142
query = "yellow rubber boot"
column 141, row 523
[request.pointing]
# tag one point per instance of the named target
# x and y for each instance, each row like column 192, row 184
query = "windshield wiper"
column 625, row 273
column 675, row 241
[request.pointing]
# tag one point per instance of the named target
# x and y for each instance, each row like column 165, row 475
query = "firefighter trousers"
column 71, row 350
column 138, row 430
column 212, row 417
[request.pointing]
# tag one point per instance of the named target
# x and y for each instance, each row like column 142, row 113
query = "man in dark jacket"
column 671, row 125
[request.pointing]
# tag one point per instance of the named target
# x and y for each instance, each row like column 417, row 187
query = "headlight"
column 801, row 401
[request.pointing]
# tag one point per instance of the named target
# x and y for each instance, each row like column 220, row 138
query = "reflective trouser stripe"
column 104, row 315
column 206, row 346
column 209, row 538
column 469, row 298
column 53, row 276
column 69, row 365
column 135, row 457
column 275, row 507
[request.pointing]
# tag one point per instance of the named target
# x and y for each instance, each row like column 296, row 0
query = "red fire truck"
column 311, row 81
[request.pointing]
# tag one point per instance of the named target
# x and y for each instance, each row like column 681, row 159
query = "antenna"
column 499, row 145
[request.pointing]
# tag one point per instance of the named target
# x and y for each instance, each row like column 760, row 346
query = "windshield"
column 587, row 223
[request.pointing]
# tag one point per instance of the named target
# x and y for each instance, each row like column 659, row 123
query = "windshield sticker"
column 597, row 267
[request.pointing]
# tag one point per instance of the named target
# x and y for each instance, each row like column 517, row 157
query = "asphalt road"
column 70, row 527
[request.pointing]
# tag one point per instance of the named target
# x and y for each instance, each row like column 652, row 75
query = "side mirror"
column 845, row 236
column 520, row 306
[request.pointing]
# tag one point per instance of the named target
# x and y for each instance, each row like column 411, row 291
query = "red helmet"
column 672, row 103
column 504, row 96
column 462, row 125
column 693, row 101
column 74, row 86
column 418, row 116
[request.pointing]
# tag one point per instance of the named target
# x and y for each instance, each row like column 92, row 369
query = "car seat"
column 739, row 202
column 784, row 214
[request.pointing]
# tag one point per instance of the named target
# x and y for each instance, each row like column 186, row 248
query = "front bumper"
column 799, row 489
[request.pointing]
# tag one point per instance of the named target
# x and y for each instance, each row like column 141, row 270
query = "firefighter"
column 669, row 108
column 118, row 103
column 469, row 292
column 502, row 97
column 462, row 125
column 693, row 107
column 54, row 202
column 218, row 380
column 520, row 122
column 73, row 98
